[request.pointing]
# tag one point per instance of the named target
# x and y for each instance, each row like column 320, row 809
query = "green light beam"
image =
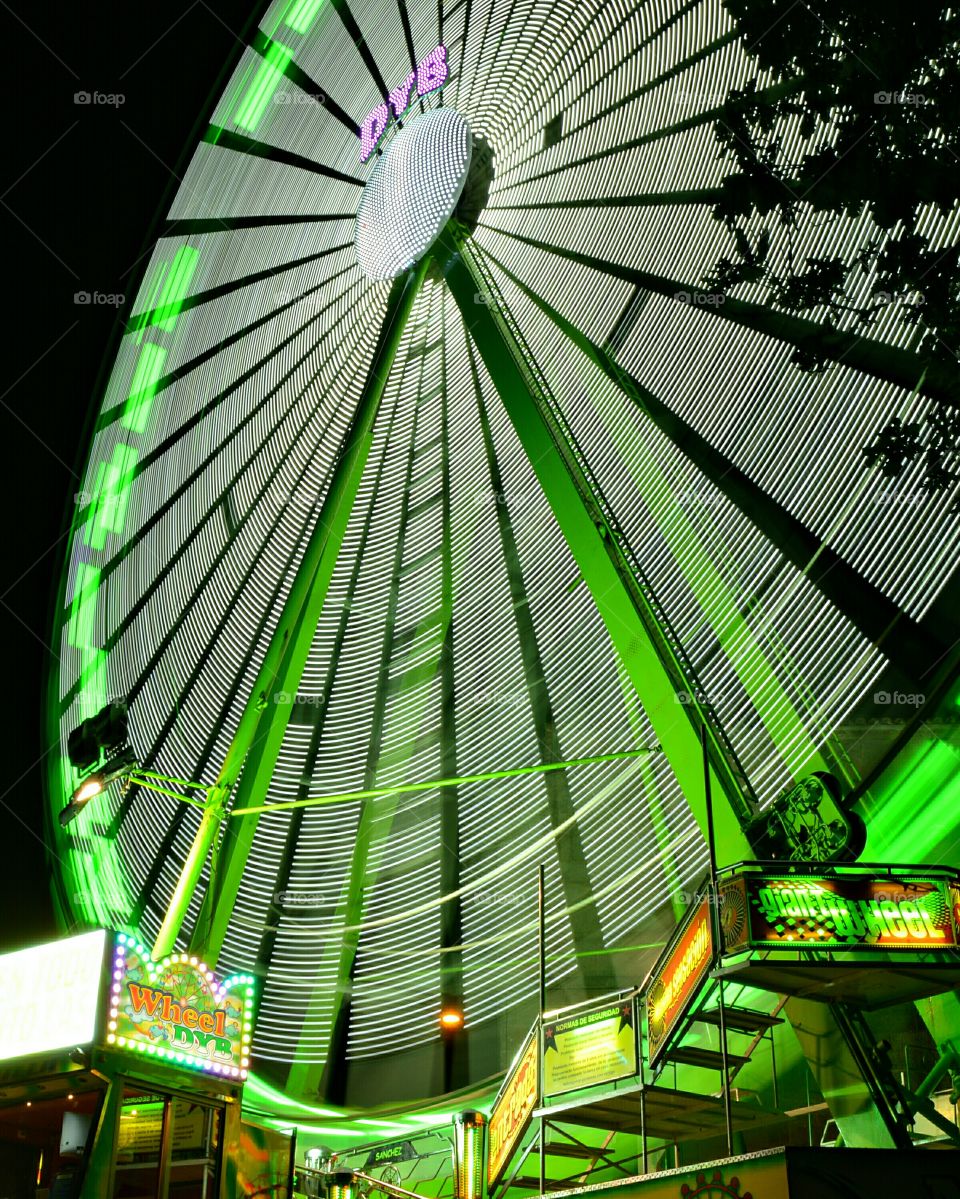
column 459, row 780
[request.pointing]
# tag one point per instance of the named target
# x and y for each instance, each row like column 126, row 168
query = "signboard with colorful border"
column 513, row 1109
column 677, row 976
column 589, row 1048
column 836, row 912
column 177, row 1012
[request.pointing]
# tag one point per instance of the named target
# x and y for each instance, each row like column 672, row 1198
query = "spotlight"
column 103, row 733
column 117, row 767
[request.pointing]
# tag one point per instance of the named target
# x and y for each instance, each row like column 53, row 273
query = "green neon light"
column 83, row 607
column 111, row 496
column 263, row 86
column 143, row 387
column 175, row 289
column 167, row 292
column 92, row 682
column 299, row 16
column 928, row 783
column 260, row 1097
column 459, row 780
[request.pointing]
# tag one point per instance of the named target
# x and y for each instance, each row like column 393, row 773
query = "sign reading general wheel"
column 839, row 912
column 513, row 1109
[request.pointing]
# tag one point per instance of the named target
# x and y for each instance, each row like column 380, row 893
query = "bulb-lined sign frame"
column 175, row 1011
column 840, row 912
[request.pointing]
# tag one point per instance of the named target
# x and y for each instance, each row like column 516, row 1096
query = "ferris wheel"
column 426, row 463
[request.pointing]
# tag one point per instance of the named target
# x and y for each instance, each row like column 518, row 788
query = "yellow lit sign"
column 513, row 1109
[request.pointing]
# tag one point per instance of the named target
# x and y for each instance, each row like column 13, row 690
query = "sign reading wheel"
column 177, row 1011
column 513, row 1109
column 677, row 976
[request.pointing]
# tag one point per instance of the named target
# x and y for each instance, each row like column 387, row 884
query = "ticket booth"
column 121, row 1077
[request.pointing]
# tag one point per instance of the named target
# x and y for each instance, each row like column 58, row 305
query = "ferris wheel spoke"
column 703, row 195
column 404, row 14
column 110, row 415
column 150, row 315
column 184, row 547
column 861, row 353
column 228, row 139
column 704, row 117
column 903, row 640
column 349, row 21
column 300, row 79
column 188, row 225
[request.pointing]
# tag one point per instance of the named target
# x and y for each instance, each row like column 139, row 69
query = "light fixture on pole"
column 93, row 784
column 98, row 748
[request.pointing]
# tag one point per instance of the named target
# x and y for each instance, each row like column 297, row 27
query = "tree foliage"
column 862, row 117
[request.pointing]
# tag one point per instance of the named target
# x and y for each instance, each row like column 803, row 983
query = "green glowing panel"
column 165, row 299
column 299, row 16
column 111, row 495
column 263, row 86
column 93, row 680
column 176, row 287
column 916, row 810
column 49, row 995
column 83, row 607
column 146, row 378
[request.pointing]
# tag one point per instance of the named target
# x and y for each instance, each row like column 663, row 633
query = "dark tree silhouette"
column 863, row 117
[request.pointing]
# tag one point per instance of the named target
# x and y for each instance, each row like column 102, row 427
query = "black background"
column 81, row 192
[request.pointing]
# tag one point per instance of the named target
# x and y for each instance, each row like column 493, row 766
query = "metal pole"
column 542, row 939
column 542, row 930
column 714, row 905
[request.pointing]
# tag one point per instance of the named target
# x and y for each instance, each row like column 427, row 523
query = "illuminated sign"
column 677, row 976
column 176, row 1010
column 590, row 1048
column 839, row 912
column 49, row 995
column 382, row 1155
column 513, row 1109
column 430, row 74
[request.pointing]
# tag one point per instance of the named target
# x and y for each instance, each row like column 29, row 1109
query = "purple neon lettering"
column 372, row 129
column 432, row 72
column 400, row 96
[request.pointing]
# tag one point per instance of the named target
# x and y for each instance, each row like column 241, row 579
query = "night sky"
column 83, row 188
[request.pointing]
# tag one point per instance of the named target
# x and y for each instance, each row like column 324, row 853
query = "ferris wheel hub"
column 412, row 192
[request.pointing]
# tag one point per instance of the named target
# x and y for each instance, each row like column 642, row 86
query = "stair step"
column 741, row 1019
column 709, row 1059
column 567, row 1149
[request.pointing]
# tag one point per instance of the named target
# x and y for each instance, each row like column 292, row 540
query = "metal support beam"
column 260, row 731
column 603, row 569
column 653, row 661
